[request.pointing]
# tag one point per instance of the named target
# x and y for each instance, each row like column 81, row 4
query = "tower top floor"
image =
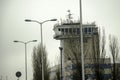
column 72, row 30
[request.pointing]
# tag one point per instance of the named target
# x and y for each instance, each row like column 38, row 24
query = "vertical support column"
column 62, row 60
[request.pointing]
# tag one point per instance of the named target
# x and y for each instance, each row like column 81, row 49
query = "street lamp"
column 61, row 54
column 40, row 23
column 16, row 41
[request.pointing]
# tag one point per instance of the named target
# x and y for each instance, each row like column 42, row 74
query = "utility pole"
column 81, row 40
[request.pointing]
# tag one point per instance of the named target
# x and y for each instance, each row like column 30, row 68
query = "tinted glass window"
column 70, row 30
column 85, row 30
column 89, row 30
column 74, row 30
column 62, row 29
column 58, row 29
column 78, row 31
column 66, row 30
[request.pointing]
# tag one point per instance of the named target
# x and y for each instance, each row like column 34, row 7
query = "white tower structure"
column 70, row 30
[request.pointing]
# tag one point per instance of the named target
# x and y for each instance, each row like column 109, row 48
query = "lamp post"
column 81, row 40
column 61, row 62
column 25, row 43
column 40, row 23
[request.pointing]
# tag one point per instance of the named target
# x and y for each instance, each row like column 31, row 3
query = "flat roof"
column 78, row 24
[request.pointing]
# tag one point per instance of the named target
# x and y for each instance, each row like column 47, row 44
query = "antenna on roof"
column 69, row 16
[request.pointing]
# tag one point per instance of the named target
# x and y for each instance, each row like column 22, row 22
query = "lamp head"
column 28, row 20
column 61, row 48
column 15, row 41
column 34, row 40
column 53, row 20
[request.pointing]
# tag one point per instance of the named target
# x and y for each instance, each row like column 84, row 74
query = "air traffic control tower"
column 71, row 31
column 69, row 35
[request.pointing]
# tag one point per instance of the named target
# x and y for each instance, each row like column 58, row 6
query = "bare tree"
column 99, row 54
column 72, row 52
column 95, row 55
column 37, row 63
column 114, row 49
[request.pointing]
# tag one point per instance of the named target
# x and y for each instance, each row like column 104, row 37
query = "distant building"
column 104, row 66
column 89, row 70
column 117, row 70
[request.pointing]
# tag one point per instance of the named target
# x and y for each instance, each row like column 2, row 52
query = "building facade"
column 69, row 36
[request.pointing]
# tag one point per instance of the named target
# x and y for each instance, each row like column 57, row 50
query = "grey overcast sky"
column 12, row 27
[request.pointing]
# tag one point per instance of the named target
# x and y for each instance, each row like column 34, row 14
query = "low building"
column 90, row 70
column 104, row 67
